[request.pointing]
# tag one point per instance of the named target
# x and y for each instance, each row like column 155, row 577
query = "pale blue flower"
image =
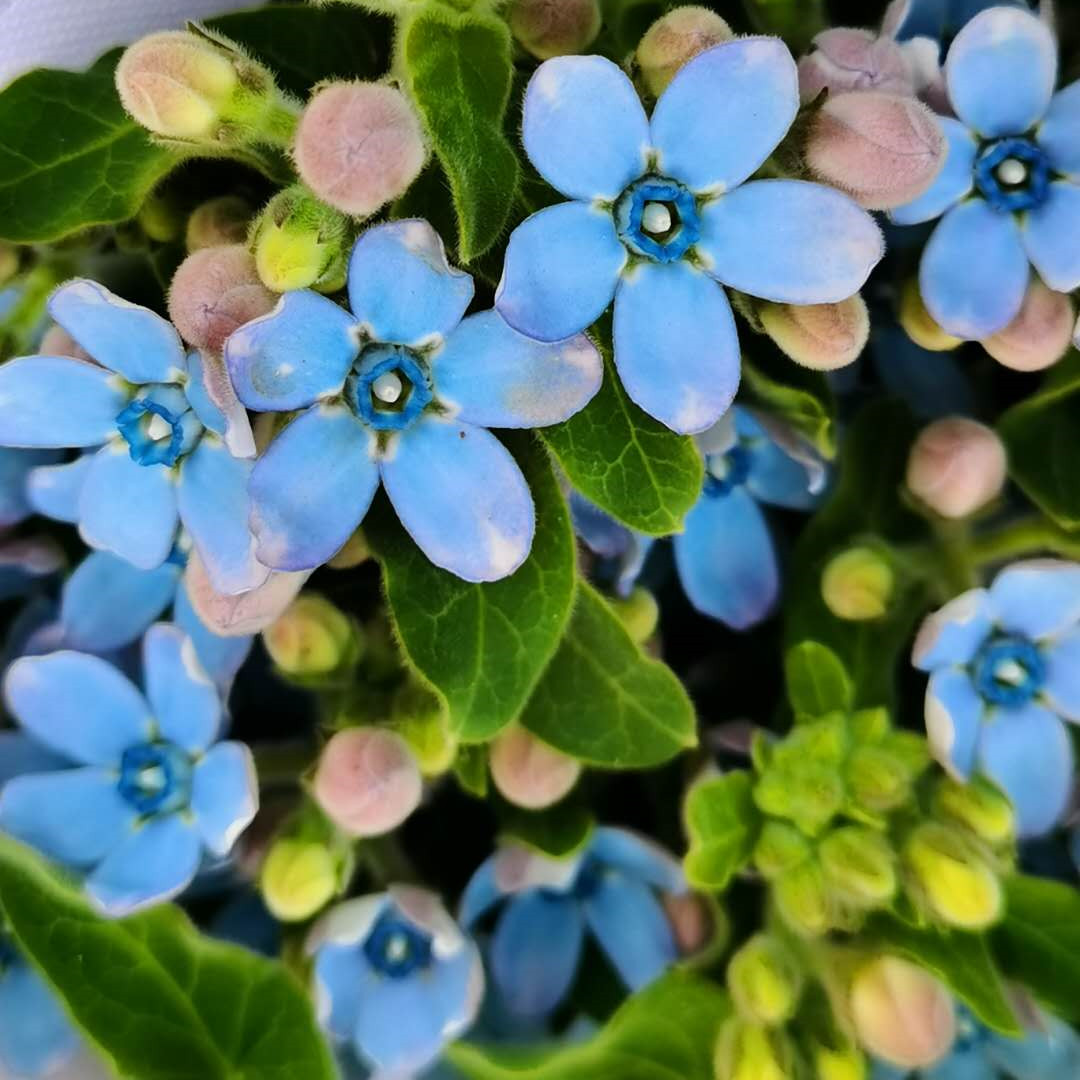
column 662, row 218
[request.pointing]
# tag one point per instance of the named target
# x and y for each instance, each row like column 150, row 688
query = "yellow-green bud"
column 746, row 1051
column 919, row 324
column 298, row 879
column 859, row 865
column 955, row 881
column 980, row 806
column 160, row 217
column 639, row 614
column 673, row 40
column 802, row 899
column 858, row 584
column 780, row 847
column 810, row 793
column 845, row 1064
column 9, row 262
column 877, row 780
column 422, row 723
column 355, row 552
column 311, row 637
column 299, row 243
column 764, row 981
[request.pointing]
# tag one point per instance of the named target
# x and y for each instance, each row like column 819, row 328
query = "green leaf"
column 817, row 682
column 560, row 831
column 663, row 1032
column 160, row 1001
column 70, row 157
column 722, row 823
column 603, row 701
column 482, row 647
column 471, row 769
column 628, row 463
column 1041, row 435
column 458, row 68
column 800, row 397
column 962, row 961
column 1038, row 943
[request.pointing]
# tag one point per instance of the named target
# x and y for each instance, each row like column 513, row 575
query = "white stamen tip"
column 387, row 387
column 159, row 428
column 655, row 218
column 1009, row 671
column 1012, row 171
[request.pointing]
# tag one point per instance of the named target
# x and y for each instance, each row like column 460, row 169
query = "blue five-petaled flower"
column 395, row 978
column 1005, row 671
column 661, row 218
column 1010, row 188
column 401, row 391
column 148, row 789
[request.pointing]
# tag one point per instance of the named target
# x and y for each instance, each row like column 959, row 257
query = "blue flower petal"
column 535, row 951
column 954, row 633
column 213, row 501
column 19, row 754
column 1037, row 598
column 1001, row 70
column 1028, row 754
column 974, row 298
column 184, row 703
column 128, row 508
column 956, row 179
column 776, row 477
column 154, row 863
column 401, row 286
column 77, row 705
column 584, row 128
column 1052, row 1054
column 108, row 603
column 53, row 490
column 1062, row 679
column 461, row 497
column 496, row 377
column 224, row 795
column 311, row 488
column 630, row 926
column 55, row 401
column 213, row 398
column 342, row 978
column 221, row 657
column 481, row 894
column 790, row 241
column 36, row 1037
column 725, row 112
column 965, row 1063
column 726, row 560
column 954, row 713
column 676, row 346
column 1050, row 234
column 16, row 467
column 638, row 857
column 133, row 341
column 76, row 816
column 1059, row 133
column 560, row 271
column 295, row 354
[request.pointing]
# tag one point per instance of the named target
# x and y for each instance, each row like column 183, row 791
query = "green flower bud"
column 422, row 723
column 810, row 795
column 858, row 584
column 354, row 552
column 803, row 900
column 298, row 879
column 846, row 1064
column 954, row 880
column 311, row 637
column 765, row 981
column 779, row 847
column 300, row 243
column 639, row 613
column 859, row 865
column 746, row 1051
column 979, row 806
column 160, row 218
column 877, row 781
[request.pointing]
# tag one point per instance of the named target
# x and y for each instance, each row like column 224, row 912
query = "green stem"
column 283, row 764
column 954, row 541
column 1029, row 536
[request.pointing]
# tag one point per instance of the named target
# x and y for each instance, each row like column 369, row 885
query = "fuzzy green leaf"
column 722, row 823
column 817, row 682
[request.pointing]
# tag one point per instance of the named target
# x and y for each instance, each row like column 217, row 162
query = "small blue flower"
column 608, row 889
column 661, row 219
column 148, row 789
column 1010, row 187
column 161, row 424
column 939, row 19
column 395, row 978
column 1005, row 671
column 401, row 391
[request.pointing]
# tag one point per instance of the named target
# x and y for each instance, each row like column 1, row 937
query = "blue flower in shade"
column 401, row 391
column 661, row 219
column 395, row 979
column 725, row 555
column 939, row 19
column 16, row 467
column 609, row 889
column 149, row 789
column 161, row 425
column 1010, row 187
column 1004, row 667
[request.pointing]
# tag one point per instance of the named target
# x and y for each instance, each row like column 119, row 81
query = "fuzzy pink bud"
column 675, row 39
column 218, row 221
column 548, row 28
column 358, row 146
column 819, row 336
column 367, row 781
column 844, row 59
column 1040, row 333
column 528, row 772
column 956, row 466
column 213, row 292
column 882, row 149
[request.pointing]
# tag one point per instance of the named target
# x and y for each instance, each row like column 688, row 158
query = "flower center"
column 1013, row 174
column 159, row 425
column 396, row 948
column 389, row 387
column 725, row 472
column 155, row 777
column 656, row 218
column 1009, row 671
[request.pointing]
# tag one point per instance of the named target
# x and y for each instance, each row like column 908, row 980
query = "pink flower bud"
column 548, row 28
column 956, row 466
column 819, row 336
column 358, row 146
column 219, row 221
column 674, row 39
column 882, row 149
column 901, row 1013
column 1040, row 333
column 691, row 919
column 213, row 292
column 367, row 781
column 528, row 772
column 56, row 341
column 844, row 59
